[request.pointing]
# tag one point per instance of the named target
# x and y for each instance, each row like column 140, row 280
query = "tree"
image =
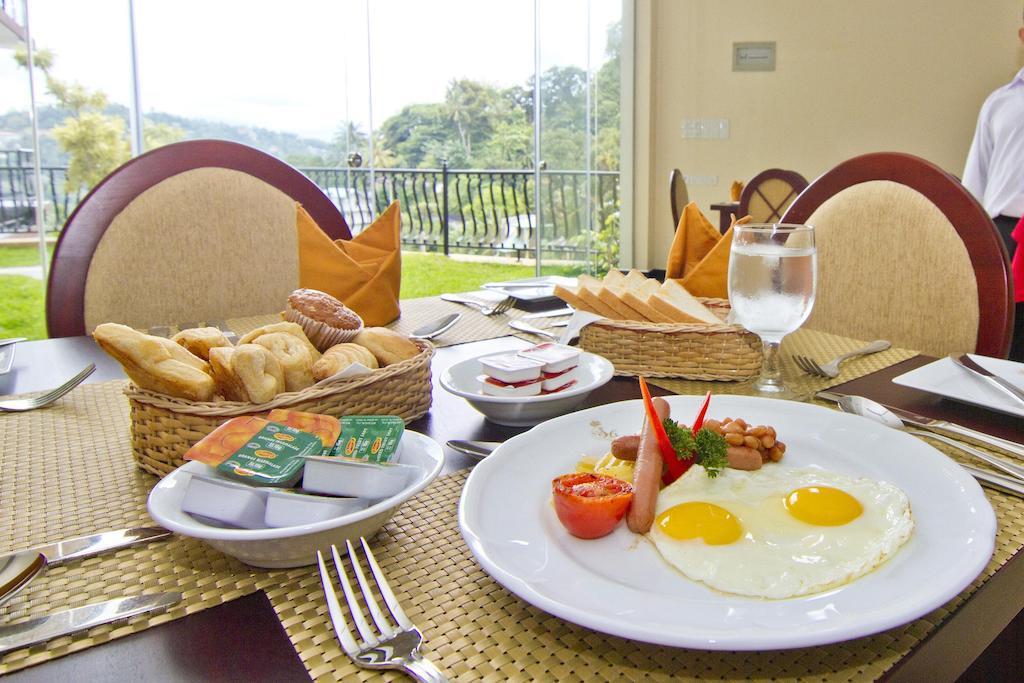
column 95, row 142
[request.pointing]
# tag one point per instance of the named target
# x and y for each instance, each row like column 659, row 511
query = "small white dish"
column 6, row 358
column 290, row 508
column 531, row 289
column 293, row 546
column 224, row 501
column 523, row 411
column 944, row 378
column 339, row 476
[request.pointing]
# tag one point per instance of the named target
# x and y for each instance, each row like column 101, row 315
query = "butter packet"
column 372, row 438
column 256, row 451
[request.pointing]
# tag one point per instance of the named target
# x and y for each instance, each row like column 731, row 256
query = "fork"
column 830, row 369
column 497, row 308
column 390, row 646
column 16, row 405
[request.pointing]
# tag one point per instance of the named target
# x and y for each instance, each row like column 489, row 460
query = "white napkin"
column 577, row 322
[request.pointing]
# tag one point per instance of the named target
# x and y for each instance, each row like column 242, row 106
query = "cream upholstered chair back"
column 768, row 194
column 920, row 265
column 210, row 234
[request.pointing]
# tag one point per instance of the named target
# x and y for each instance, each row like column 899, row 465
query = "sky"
column 304, row 66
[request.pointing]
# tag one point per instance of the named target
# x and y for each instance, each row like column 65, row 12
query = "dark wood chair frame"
column 985, row 248
column 65, row 295
column 677, row 194
column 796, row 181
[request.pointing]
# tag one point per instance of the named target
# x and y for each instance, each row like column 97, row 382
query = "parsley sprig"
column 708, row 447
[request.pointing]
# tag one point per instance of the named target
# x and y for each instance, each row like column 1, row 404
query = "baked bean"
column 767, row 441
column 759, row 431
column 744, row 439
column 752, row 442
column 733, row 428
column 734, row 439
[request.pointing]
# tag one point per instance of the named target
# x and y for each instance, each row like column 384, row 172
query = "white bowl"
column 524, row 411
column 293, row 546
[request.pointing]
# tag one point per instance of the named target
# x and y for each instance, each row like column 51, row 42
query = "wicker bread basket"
column 689, row 351
column 164, row 427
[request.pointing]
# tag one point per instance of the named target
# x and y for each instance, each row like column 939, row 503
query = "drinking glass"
column 773, row 271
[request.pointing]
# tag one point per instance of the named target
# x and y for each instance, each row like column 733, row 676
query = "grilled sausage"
column 625, row 447
column 744, row 458
column 647, row 474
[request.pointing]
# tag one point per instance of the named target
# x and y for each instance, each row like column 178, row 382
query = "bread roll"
column 339, row 357
column 324, row 308
column 285, row 327
column 294, row 357
column 386, row 345
column 157, row 364
column 248, row 372
column 199, row 340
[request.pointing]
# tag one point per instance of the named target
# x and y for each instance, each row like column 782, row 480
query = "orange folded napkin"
column 364, row 273
column 699, row 256
column 736, row 190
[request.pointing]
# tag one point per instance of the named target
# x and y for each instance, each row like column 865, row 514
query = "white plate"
column 531, row 288
column 6, row 358
column 293, row 546
column 620, row 585
column 524, row 411
column 946, row 378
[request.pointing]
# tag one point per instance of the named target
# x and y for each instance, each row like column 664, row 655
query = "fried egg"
column 778, row 532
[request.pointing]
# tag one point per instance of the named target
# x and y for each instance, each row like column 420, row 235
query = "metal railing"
column 445, row 210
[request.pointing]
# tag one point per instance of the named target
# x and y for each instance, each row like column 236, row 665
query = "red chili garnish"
column 674, row 467
column 700, row 416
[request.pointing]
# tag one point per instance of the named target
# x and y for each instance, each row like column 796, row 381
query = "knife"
column 965, row 362
column 996, row 481
column 477, row 449
column 50, row 626
column 87, row 546
column 941, row 426
column 558, row 312
column 523, row 327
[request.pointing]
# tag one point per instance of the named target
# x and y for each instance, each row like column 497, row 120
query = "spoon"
column 476, row 449
column 436, row 327
column 17, row 571
column 865, row 407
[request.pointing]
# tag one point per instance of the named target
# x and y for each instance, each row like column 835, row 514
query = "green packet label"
column 373, row 438
column 274, row 456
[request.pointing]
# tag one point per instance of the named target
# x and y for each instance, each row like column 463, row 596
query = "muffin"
column 324, row 319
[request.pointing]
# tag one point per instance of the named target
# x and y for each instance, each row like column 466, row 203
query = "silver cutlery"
column 942, row 426
column 965, row 362
column 475, row 449
column 436, row 327
column 865, row 407
column 485, row 309
column 996, row 481
column 222, row 325
column 525, row 327
column 40, row 629
column 557, row 313
column 831, row 369
column 17, row 569
column 395, row 643
column 15, row 405
column 12, row 340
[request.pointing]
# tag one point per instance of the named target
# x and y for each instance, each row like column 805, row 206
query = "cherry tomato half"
column 590, row 505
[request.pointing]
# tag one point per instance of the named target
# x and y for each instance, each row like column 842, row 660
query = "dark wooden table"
column 725, row 212
column 984, row 631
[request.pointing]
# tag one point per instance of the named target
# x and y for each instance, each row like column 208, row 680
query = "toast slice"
column 570, row 296
column 674, row 301
column 610, row 293
column 588, row 290
column 638, row 299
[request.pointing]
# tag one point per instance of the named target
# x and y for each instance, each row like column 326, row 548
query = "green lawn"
column 22, row 312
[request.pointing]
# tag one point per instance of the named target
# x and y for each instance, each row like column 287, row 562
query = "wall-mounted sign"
column 753, row 56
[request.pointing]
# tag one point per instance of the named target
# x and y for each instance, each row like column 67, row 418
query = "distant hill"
column 16, row 132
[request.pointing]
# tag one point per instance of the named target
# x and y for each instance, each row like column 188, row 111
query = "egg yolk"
column 714, row 524
column 823, row 506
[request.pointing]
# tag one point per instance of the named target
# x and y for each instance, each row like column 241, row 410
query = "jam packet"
column 372, row 438
column 257, row 451
column 326, row 427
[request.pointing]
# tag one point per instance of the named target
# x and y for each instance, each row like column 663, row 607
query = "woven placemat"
column 819, row 346
column 67, row 471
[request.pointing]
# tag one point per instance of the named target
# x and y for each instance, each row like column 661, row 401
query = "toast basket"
column 163, row 427
column 688, row 351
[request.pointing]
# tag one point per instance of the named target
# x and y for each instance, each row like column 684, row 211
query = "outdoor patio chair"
column 194, row 231
column 768, row 194
column 905, row 253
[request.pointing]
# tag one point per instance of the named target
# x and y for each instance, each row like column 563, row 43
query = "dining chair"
column 197, row 230
column 906, row 253
column 768, row 194
column 678, row 195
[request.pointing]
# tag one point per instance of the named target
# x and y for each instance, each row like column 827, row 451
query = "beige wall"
column 851, row 77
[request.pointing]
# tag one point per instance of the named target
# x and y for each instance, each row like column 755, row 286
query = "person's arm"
column 978, row 159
